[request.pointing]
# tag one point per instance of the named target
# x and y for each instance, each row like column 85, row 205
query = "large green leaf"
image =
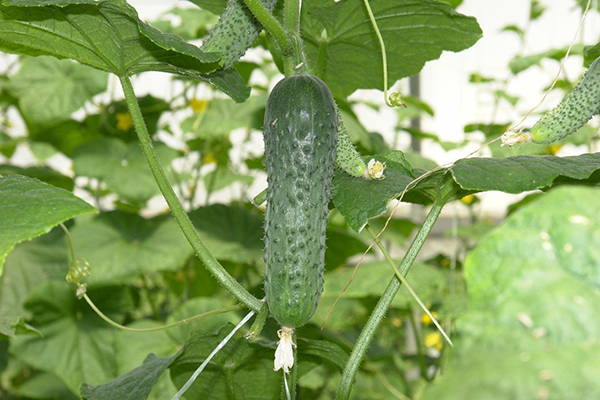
column 120, row 245
column 108, row 36
column 30, row 264
column 533, row 323
column 231, row 233
column 77, row 345
column 29, row 208
column 49, row 90
column 122, row 166
column 344, row 50
column 359, row 199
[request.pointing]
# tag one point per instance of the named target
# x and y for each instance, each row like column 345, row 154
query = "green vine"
column 186, row 226
column 368, row 332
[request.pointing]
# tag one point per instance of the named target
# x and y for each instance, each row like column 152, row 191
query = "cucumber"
column 348, row 159
column 235, row 32
column 300, row 134
column 574, row 111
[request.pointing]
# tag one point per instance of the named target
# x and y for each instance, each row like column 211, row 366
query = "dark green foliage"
column 300, row 141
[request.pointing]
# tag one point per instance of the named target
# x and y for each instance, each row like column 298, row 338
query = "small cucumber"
column 348, row 159
column 235, row 32
column 581, row 104
column 300, row 133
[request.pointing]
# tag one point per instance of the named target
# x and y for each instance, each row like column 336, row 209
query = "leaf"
column 135, row 385
column 223, row 177
column 121, row 166
column 7, row 145
column 190, row 24
column 29, row 265
column 523, row 173
column 341, row 245
column 44, row 174
column 15, row 326
column 214, row 6
column 230, row 232
column 372, row 278
column 29, row 208
column 323, row 349
column 197, row 306
column 358, row 200
column 344, row 50
column 239, row 370
column 222, row 116
column 521, row 63
column 533, row 316
column 77, row 345
column 107, row 35
column 120, row 245
column 50, row 90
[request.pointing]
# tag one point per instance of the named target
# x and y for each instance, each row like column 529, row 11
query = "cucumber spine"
column 300, row 134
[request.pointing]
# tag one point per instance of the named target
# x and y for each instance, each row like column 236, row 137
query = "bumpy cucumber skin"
column 235, row 32
column 348, row 159
column 300, row 134
column 581, row 104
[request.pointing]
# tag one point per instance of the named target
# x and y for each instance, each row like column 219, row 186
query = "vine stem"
column 368, row 332
column 383, row 52
column 191, row 234
column 264, row 16
column 160, row 328
column 406, row 284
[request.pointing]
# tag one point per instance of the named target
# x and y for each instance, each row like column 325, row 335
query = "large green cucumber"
column 300, row 133
column 581, row 104
column 235, row 32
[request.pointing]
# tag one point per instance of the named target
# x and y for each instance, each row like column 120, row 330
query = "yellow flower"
column 198, row 105
column 552, row 149
column 434, row 340
column 468, row 199
column 209, row 159
column 426, row 320
column 124, row 121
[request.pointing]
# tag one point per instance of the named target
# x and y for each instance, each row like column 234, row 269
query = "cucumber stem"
column 264, row 16
column 186, row 226
column 368, row 332
column 295, row 61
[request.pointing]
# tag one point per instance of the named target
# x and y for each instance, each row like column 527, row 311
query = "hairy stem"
column 264, row 16
column 191, row 234
column 295, row 61
column 368, row 332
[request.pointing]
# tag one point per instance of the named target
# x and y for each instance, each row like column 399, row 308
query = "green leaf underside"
column 120, row 245
column 359, row 199
column 29, row 208
column 108, row 36
column 77, row 345
column 344, row 50
column 533, row 321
